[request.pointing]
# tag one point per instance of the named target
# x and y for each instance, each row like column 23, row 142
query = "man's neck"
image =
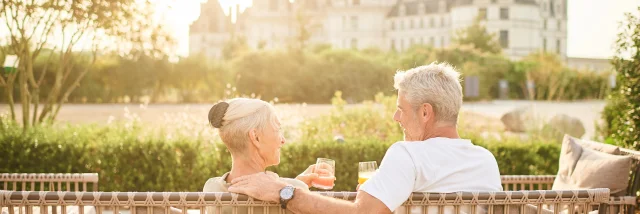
column 450, row 132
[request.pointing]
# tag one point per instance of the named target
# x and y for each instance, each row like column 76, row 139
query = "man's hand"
column 312, row 172
column 262, row 186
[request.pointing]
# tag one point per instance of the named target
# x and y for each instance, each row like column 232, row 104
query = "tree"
column 235, row 46
column 60, row 28
column 546, row 71
column 305, row 25
column 622, row 112
column 477, row 36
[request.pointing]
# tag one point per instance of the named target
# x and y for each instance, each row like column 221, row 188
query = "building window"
column 493, row 1
column 544, row 6
column 544, row 45
column 421, row 23
column 552, row 11
column 401, row 24
column 482, row 13
column 402, row 44
column 544, row 24
column 558, row 46
column 432, row 23
column 393, row 44
column 402, row 10
column 355, row 2
column 441, row 21
column 442, row 41
column 344, row 22
column 411, row 24
column 504, row 13
column 204, row 39
column 421, row 40
column 504, row 39
column 354, row 22
column 432, row 41
column 393, row 25
column 411, row 42
column 559, row 24
column 273, row 5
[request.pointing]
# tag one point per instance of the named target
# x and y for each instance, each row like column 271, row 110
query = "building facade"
column 521, row 26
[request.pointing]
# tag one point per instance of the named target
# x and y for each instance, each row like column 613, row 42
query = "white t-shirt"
column 434, row 165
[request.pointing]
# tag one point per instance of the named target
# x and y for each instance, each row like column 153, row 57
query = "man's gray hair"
column 437, row 84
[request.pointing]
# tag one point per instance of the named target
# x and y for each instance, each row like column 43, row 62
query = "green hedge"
column 127, row 161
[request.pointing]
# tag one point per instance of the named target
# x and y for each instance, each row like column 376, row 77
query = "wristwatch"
column 286, row 194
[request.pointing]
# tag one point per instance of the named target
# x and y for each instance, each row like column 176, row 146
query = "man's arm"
column 307, row 202
column 266, row 187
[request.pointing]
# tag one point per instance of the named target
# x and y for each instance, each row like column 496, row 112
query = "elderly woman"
column 251, row 131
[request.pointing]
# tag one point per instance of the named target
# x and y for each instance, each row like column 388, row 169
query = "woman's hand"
column 311, row 173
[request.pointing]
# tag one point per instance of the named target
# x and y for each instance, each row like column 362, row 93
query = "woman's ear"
column 254, row 138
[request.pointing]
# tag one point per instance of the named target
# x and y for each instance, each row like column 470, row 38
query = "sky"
column 592, row 24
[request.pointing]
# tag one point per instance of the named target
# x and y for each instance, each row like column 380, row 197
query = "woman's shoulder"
column 217, row 184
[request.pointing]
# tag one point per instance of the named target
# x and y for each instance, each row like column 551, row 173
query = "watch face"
column 286, row 193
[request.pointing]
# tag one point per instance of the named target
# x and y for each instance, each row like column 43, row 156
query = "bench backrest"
column 530, row 202
column 76, row 182
column 634, row 178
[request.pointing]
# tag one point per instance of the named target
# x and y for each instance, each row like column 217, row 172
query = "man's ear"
column 254, row 138
column 427, row 112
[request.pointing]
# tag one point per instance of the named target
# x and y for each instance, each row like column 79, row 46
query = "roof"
column 469, row 2
column 431, row 6
column 413, row 7
column 212, row 14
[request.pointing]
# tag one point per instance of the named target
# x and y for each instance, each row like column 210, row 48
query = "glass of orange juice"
column 366, row 170
column 326, row 174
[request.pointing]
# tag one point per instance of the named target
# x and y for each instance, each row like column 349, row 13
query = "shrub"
column 622, row 114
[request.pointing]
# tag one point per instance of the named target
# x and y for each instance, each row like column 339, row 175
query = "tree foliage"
column 54, row 30
column 622, row 113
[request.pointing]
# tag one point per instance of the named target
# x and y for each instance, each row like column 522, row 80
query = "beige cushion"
column 585, row 168
column 606, row 148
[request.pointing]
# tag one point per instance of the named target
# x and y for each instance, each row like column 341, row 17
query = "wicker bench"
column 508, row 202
column 76, row 182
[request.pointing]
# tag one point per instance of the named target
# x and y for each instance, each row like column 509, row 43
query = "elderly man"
column 432, row 157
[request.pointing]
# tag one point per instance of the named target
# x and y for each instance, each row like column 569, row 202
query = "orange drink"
column 324, row 182
column 366, row 170
column 364, row 176
column 325, row 168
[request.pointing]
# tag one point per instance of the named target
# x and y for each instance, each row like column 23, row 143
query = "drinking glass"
column 366, row 170
column 325, row 168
